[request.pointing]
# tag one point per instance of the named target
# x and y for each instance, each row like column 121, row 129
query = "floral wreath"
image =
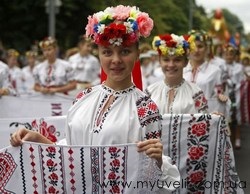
column 48, row 41
column 13, row 52
column 120, row 25
column 171, row 44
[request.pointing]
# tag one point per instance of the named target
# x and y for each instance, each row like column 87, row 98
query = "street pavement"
column 242, row 157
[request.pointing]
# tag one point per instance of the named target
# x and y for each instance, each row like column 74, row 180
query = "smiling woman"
column 116, row 112
column 174, row 94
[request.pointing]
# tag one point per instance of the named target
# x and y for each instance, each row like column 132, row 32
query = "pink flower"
column 92, row 20
column 34, row 124
column 121, row 12
column 145, row 24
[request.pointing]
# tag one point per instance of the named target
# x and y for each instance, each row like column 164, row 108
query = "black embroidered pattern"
column 148, row 113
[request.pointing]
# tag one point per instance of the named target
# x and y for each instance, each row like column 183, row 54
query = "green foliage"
column 24, row 22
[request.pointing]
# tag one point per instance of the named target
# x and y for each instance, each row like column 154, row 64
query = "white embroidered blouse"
column 58, row 74
column 188, row 98
column 131, row 117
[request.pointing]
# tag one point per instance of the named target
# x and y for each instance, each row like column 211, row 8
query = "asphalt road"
column 242, row 157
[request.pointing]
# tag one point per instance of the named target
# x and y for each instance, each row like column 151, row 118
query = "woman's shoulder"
column 62, row 62
column 192, row 87
column 84, row 93
column 159, row 85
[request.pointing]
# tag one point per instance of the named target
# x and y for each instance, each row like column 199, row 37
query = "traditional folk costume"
column 57, row 74
column 140, row 120
column 4, row 79
column 87, row 68
column 208, row 77
column 188, row 98
column 235, row 89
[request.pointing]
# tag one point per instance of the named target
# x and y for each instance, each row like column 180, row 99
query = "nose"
column 171, row 62
column 116, row 58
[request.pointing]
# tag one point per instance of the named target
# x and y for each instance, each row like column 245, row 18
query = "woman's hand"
column 222, row 98
column 17, row 138
column 153, row 148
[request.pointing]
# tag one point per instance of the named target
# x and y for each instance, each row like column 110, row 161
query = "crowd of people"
column 180, row 74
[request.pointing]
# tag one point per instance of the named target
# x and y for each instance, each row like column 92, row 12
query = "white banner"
column 50, row 127
column 199, row 145
column 39, row 168
column 36, row 105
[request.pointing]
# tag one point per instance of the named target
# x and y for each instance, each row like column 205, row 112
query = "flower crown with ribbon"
column 120, row 25
column 171, row 44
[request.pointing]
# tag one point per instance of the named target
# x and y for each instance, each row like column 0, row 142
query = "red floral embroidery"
column 51, row 165
column 52, row 190
column 115, row 189
column 79, row 95
column 53, row 178
column 115, row 163
column 196, row 153
column 51, row 152
column 197, row 103
column 152, row 106
column 141, row 112
column 196, row 177
column 112, row 149
column 46, row 130
column 112, row 176
column 199, row 129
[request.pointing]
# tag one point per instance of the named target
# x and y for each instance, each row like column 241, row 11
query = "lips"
column 117, row 70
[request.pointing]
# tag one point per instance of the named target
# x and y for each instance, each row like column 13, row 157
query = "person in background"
column 15, row 72
column 173, row 94
column 146, row 68
column 53, row 75
column 235, row 79
column 28, row 78
column 110, row 113
column 5, row 86
column 86, row 66
column 205, row 74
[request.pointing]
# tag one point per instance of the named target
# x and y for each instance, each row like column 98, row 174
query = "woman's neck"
column 174, row 83
column 51, row 61
column 118, row 85
column 196, row 64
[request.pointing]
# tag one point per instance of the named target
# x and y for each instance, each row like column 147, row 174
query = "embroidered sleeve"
column 81, row 94
column 150, row 118
column 200, row 102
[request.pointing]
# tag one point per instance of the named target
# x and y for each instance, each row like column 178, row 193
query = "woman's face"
column 229, row 56
column 118, row 62
column 49, row 52
column 85, row 48
column 172, row 66
column 200, row 53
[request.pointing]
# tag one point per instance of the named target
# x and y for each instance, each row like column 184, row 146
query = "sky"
column 240, row 8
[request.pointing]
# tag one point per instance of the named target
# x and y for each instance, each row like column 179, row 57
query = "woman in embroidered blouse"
column 5, row 85
column 174, row 94
column 53, row 75
column 115, row 112
column 235, row 80
column 205, row 74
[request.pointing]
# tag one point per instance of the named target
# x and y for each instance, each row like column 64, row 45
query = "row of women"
column 109, row 113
